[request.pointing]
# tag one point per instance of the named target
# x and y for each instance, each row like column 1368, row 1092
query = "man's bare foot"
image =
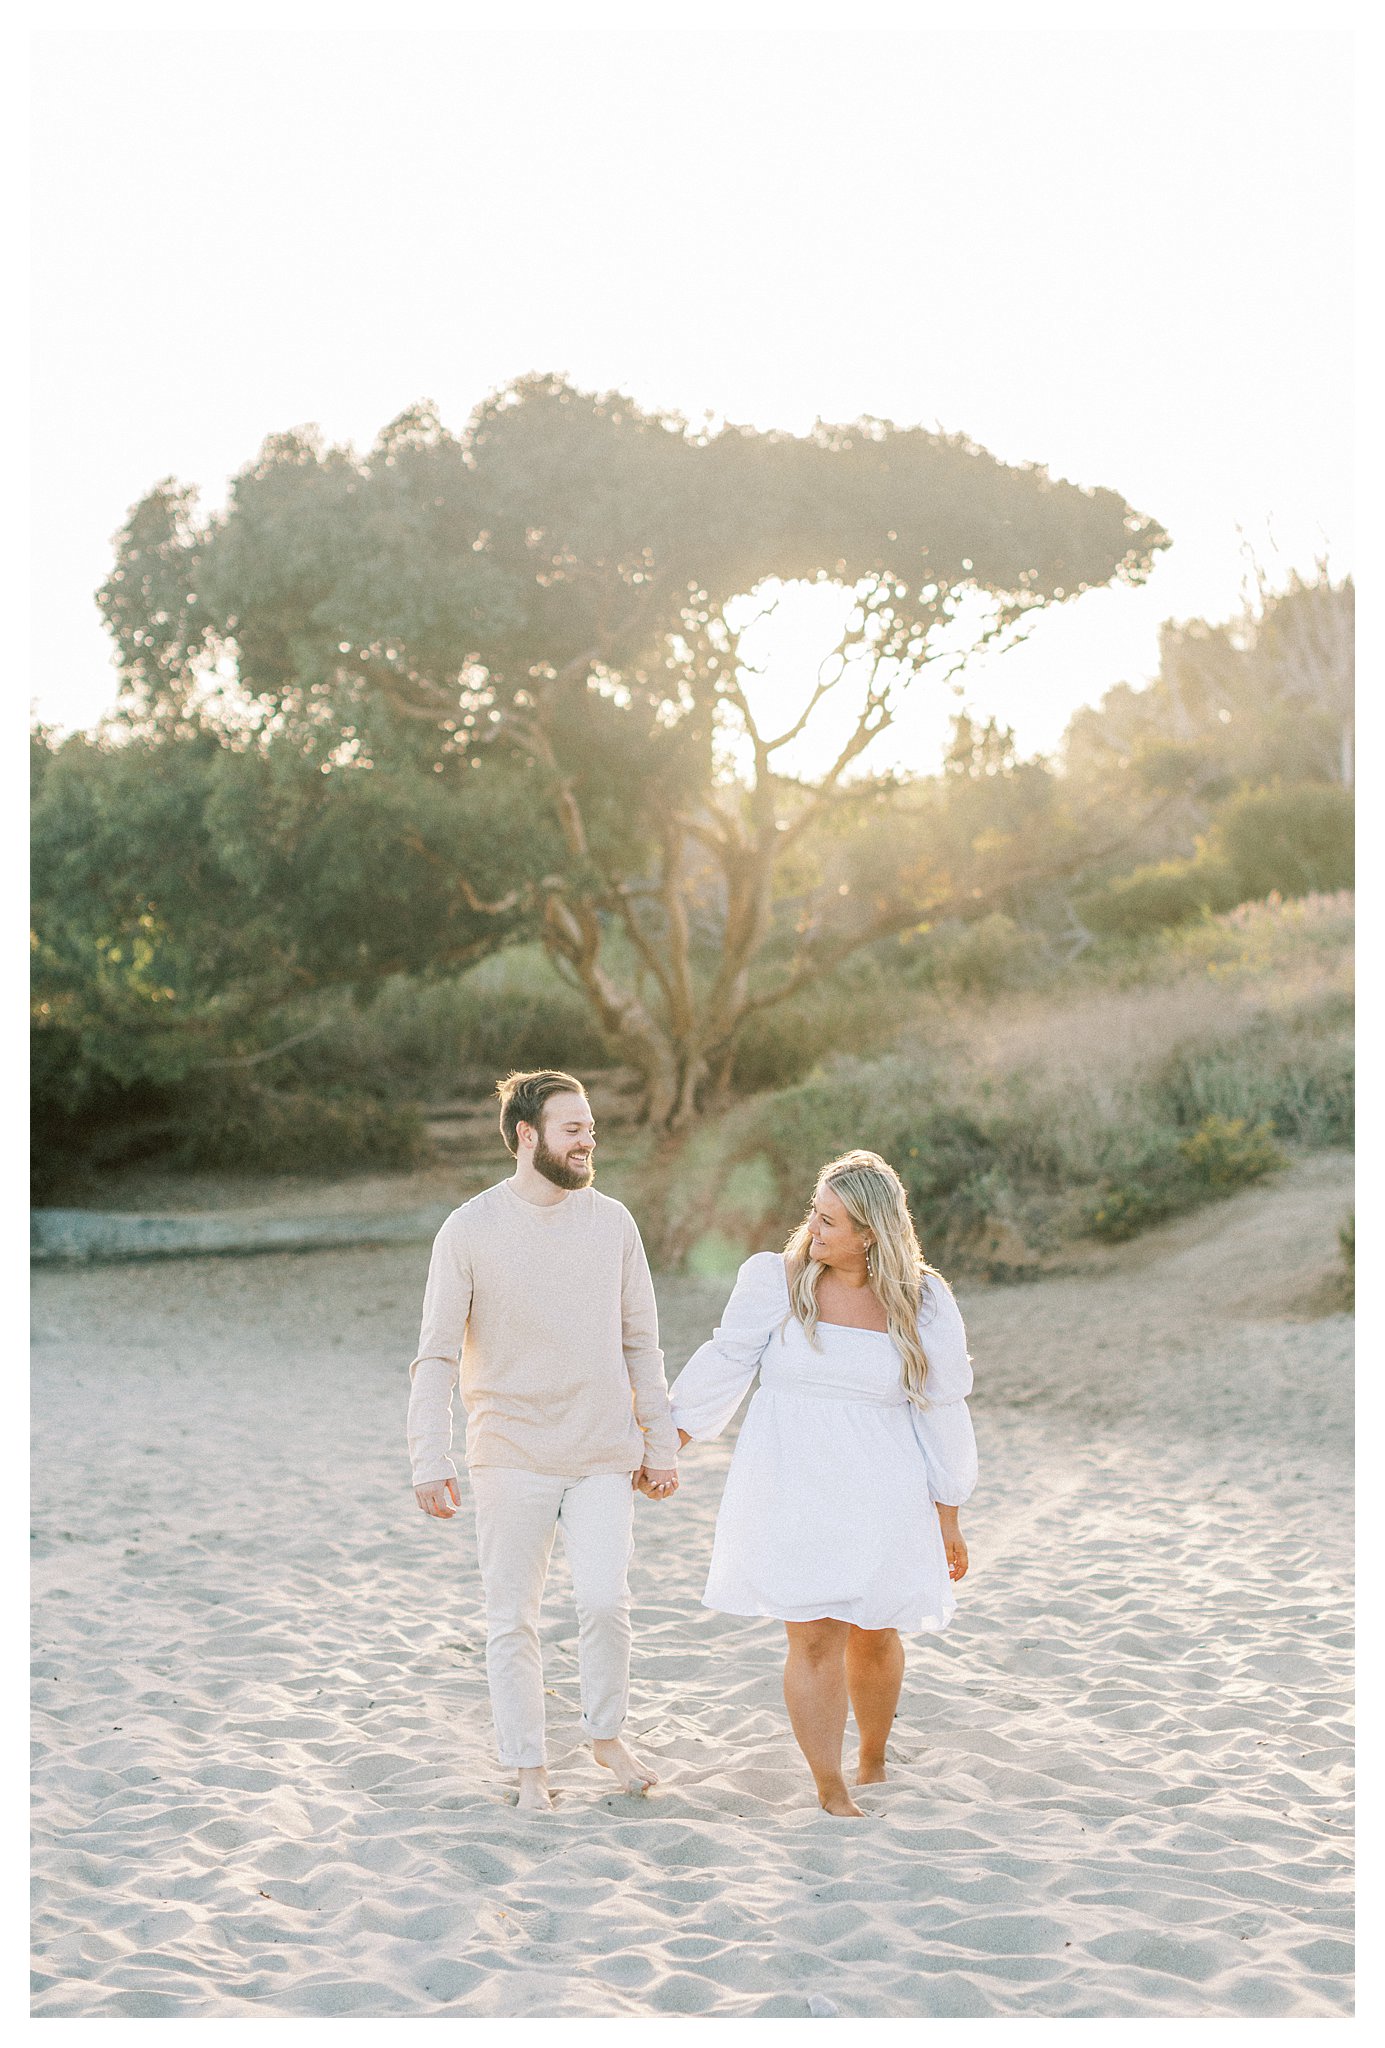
column 870, row 1771
column 836, row 1799
column 634, row 1776
column 534, row 1795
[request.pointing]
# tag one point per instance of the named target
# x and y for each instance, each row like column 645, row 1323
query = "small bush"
column 1226, row 1152
column 1297, row 1074
column 1346, row 1238
column 444, row 1037
column 260, row 1129
column 849, row 1012
column 1289, row 840
column 1154, row 898
column 986, row 958
column 953, row 1161
column 1121, row 1212
column 776, row 1048
column 1292, row 838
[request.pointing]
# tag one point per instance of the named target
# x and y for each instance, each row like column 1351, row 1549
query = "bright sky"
column 1124, row 254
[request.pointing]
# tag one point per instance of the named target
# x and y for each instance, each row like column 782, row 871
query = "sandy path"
column 264, row 1782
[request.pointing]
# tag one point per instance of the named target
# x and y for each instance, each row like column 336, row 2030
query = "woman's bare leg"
column 874, row 1675
column 815, row 1695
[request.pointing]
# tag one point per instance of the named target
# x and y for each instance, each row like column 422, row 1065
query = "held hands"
column 433, row 1498
column 656, row 1482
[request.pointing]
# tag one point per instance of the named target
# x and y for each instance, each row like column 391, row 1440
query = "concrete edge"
column 92, row 1236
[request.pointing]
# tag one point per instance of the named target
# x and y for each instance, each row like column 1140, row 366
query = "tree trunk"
column 670, row 1222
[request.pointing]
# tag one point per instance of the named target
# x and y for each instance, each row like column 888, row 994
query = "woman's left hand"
column 954, row 1543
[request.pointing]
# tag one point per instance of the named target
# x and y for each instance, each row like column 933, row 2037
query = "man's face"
column 566, row 1142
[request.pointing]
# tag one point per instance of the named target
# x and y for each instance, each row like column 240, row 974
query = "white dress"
column 828, row 1507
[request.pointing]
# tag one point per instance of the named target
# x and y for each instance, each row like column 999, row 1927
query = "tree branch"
column 898, row 916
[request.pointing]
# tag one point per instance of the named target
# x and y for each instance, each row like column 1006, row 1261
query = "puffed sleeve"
column 944, row 1428
column 711, row 1386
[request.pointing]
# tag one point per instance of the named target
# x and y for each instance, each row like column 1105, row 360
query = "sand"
column 1120, row 1782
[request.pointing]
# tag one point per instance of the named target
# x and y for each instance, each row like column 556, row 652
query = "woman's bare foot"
column 870, row 1770
column 534, row 1795
column 836, row 1799
column 634, row 1776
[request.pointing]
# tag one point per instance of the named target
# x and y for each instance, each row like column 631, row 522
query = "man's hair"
column 522, row 1097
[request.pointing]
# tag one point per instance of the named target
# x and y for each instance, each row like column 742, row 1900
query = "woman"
column 840, row 1510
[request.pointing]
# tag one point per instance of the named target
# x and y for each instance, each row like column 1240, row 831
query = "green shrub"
column 1000, row 1157
column 1292, row 838
column 1049, row 1113
column 953, row 1161
column 986, row 958
column 1121, row 1212
column 1154, row 898
column 514, row 1029
column 1296, row 1074
column 1346, row 1238
column 261, row 1129
column 775, row 1048
column 955, row 1170
column 447, row 1037
column 852, row 1012
column 1226, row 1152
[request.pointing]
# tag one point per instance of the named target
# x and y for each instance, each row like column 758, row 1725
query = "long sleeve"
column 943, row 1428
column 433, row 1374
column 644, row 1361
column 711, row 1386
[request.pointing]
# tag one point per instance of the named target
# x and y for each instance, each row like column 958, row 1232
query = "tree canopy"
column 537, row 617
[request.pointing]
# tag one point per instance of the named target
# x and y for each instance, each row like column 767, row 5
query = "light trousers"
column 517, row 1514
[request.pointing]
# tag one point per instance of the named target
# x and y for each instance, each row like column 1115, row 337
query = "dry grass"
column 1014, row 1117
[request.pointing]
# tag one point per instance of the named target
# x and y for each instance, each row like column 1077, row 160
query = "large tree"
column 565, row 587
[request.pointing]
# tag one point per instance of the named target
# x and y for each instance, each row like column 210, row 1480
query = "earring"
column 870, row 1261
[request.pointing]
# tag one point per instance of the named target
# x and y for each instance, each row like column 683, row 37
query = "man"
column 539, row 1295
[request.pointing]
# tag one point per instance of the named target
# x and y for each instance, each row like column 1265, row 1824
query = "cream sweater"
column 547, row 1315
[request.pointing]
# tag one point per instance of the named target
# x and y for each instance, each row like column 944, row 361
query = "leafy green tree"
column 185, row 890
column 559, row 594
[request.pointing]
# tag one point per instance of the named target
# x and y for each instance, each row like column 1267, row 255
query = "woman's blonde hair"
column 872, row 1194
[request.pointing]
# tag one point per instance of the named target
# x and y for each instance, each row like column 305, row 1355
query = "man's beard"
column 558, row 1171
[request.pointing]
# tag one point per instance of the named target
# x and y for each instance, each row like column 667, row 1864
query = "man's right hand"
column 433, row 1498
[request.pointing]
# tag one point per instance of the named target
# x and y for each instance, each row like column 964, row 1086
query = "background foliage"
column 438, row 761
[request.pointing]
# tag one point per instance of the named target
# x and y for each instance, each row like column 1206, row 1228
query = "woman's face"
column 835, row 1240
